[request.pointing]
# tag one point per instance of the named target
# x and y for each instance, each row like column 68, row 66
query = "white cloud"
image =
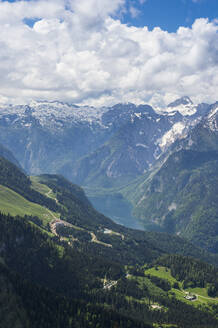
column 92, row 13
column 134, row 12
column 78, row 52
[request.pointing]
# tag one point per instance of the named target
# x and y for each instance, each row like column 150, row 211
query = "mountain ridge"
column 43, row 129
column 180, row 196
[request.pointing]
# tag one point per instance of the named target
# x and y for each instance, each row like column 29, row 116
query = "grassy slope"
column 162, row 272
column 154, row 296
column 14, row 204
column 42, row 188
column 202, row 297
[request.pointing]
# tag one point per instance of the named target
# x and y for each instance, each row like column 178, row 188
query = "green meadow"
column 14, row 204
column 201, row 293
column 42, row 188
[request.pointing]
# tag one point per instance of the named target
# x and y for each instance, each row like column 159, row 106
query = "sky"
column 102, row 52
column 169, row 15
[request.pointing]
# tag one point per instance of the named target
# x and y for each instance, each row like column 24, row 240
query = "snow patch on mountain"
column 213, row 112
column 212, row 118
column 173, row 206
column 56, row 113
column 64, row 111
column 170, row 136
column 185, row 110
column 138, row 115
column 184, row 106
column 141, row 145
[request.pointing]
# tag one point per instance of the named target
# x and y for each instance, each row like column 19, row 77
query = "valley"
column 155, row 262
column 131, row 160
column 101, row 149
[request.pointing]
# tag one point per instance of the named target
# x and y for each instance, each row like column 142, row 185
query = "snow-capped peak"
column 212, row 118
column 181, row 101
column 183, row 105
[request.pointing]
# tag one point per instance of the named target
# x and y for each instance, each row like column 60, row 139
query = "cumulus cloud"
column 79, row 51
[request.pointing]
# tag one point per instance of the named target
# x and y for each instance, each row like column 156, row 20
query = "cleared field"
column 14, row 204
column 161, row 272
column 201, row 293
column 42, row 188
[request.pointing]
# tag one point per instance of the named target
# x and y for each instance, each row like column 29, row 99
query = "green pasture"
column 202, row 297
column 42, row 188
column 14, row 204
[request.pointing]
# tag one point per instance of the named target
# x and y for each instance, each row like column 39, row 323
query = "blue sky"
column 101, row 52
column 170, row 14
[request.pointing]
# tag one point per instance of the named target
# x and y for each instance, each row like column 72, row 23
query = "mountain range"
column 153, row 169
column 125, row 140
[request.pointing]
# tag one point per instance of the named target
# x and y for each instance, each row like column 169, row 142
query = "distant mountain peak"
column 181, row 101
column 211, row 120
column 183, row 105
column 127, row 105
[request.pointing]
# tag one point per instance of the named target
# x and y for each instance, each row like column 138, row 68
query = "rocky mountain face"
column 94, row 145
column 181, row 195
column 141, row 137
column 45, row 135
column 131, row 150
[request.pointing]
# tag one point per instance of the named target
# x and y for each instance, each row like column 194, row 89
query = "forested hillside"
column 79, row 269
column 62, row 279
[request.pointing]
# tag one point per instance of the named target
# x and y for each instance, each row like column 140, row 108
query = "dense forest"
column 58, row 282
column 91, row 271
